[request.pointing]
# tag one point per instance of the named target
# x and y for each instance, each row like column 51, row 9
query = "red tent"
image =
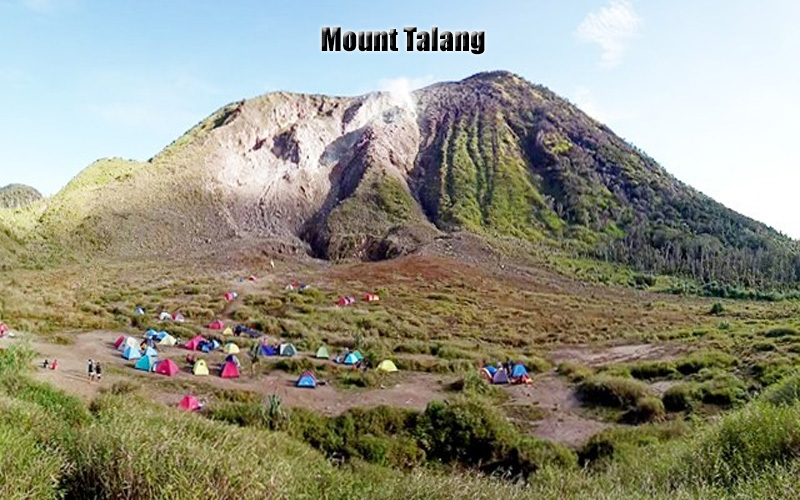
column 230, row 370
column 371, row 297
column 216, row 325
column 167, row 367
column 189, row 403
column 345, row 301
column 252, row 277
column 230, row 296
column 3, row 328
column 119, row 342
column 193, row 344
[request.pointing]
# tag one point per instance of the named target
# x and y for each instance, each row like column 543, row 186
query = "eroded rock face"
column 18, row 196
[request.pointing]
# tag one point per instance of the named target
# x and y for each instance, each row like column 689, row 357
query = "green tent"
column 287, row 350
column 322, row 353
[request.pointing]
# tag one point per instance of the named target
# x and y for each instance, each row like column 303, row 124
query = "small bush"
column 698, row 360
column 648, row 370
column 681, row 397
column 574, row 372
column 780, row 332
column 717, row 309
column 613, row 392
column 646, row 409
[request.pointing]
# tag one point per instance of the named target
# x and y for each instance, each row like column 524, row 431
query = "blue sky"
column 710, row 89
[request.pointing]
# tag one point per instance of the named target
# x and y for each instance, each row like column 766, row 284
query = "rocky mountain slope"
column 18, row 195
column 379, row 175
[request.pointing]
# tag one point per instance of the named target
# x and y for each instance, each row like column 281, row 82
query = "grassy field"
column 710, row 400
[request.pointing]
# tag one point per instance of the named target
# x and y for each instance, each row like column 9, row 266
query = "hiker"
column 54, row 364
column 46, row 364
column 509, row 366
column 90, row 370
column 98, row 371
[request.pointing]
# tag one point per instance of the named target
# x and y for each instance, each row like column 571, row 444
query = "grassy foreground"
column 123, row 446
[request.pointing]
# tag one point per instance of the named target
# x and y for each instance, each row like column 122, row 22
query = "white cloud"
column 42, row 6
column 613, row 28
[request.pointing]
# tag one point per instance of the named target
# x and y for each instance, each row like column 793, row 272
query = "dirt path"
column 561, row 421
column 595, row 356
column 405, row 390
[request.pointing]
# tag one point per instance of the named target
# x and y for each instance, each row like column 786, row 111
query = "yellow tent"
column 228, row 332
column 167, row 340
column 200, row 367
column 231, row 348
column 387, row 366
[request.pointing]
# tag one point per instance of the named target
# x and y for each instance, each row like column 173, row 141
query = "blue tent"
column 491, row 369
column 150, row 352
column 215, row 344
column 205, row 346
column 150, row 334
column 351, row 359
column 267, row 350
column 145, row 363
column 307, row 380
column 131, row 353
column 518, row 371
column 160, row 335
column 233, row 358
column 358, row 355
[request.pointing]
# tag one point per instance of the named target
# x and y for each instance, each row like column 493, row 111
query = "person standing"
column 90, row 370
column 98, row 371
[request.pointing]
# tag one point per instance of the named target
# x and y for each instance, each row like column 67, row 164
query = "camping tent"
column 485, row 374
column 266, row 350
column 308, row 380
column 500, row 377
column 345, row 301
column 371, row 297
column 216, row 325
column 150, row 352
column 205, row 346
column 231, row 296
column 194, row 344
column 387, row 366
column 128, row 342
column 351, row 359
column 491, row 369
column 165, row 316
column 287, row 350
column 167, row 367
column 117, row 342
column 231, row 348
column 215, row 344
column 131, row 353
column 149, row 334
column 145, row 363
column 189, row 403
column 252, row 277
column 230, row 370
column 518, row 371
column 519, row 375
column 228, row 332
column 178, row 318
column 167, row 340
column 160, row 335
column 139, row 311
column 233, row 359
column 322, row 353
column 200, row 367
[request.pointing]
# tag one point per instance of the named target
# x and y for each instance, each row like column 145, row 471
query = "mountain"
column 18, row 195
column 382, row 174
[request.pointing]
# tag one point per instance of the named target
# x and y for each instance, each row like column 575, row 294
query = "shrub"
column 647, row 370
column 717, row 308
column 681, row 397
column 723, row 390
column 780, row 332
column 573, row 371
column 646, row 409
column 614, row 392
column 698, row 360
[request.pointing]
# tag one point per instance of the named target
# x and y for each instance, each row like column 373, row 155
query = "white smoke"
column 400, row 90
